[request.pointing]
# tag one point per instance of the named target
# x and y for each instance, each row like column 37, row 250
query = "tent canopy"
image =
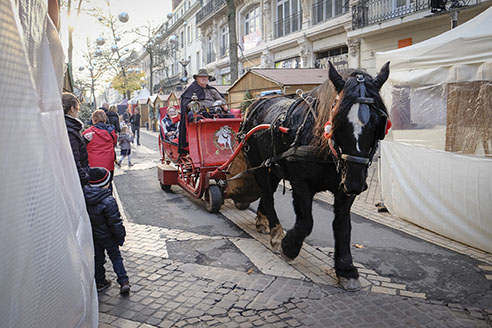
column 443, row 58
column 141, row 97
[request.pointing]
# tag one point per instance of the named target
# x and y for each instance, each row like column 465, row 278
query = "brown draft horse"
column 314, row 159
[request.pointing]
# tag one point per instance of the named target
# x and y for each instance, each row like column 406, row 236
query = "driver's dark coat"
column 185, row 100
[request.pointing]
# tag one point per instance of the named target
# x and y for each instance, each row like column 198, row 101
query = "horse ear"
column 382, row 75
column 335, row 78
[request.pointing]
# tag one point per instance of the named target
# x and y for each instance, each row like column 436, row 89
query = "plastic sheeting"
column 46, row 262
column 440, row 191
column 439, row 95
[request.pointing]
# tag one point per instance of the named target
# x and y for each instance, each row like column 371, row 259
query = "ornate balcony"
column 209, row 10
column 368, row 12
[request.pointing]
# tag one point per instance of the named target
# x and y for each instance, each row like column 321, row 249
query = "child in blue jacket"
column 108, row 231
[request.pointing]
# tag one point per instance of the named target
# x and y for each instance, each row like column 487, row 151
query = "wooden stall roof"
column 285, row 76
column 221, row 88
column 151, row 99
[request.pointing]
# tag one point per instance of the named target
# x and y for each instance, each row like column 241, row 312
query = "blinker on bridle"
column 364, row 115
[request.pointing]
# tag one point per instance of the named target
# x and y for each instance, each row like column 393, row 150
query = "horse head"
column 358, row 122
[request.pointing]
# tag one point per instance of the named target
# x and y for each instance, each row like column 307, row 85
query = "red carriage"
column 211, row 144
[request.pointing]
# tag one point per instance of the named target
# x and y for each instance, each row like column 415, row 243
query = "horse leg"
column 303, row 203
column 268, row 184
column 348, row 276
column 262, row 224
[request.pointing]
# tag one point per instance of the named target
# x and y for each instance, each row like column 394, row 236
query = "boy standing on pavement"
column 108, row 232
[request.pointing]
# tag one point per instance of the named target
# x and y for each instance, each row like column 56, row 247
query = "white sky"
column 86, row 26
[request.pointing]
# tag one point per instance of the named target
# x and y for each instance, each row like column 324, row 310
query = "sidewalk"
column 272, row 293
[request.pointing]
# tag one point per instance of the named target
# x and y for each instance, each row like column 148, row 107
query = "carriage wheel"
column 241, row 206
column 165, row 187
column 213, row 199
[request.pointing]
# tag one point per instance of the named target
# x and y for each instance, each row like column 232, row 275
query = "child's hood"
column 94, row 195
column 101, row 132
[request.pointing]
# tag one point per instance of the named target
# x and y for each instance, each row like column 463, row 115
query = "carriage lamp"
column 194, row 105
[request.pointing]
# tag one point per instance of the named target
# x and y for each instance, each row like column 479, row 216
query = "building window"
column 188, row 35
column 252, row 21
column 182, row 39
column 226, row 79
column 224, row 40
column 289, row 17
column 210, row 50
column 198, row 61
column 326, row 9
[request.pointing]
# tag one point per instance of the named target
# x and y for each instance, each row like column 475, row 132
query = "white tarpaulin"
column 437, row 172
column 47, row 257
column 440, row 191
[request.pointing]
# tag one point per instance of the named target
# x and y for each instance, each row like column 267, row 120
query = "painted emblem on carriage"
column 224, row 138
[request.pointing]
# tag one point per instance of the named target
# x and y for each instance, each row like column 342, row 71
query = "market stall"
column 437, row 169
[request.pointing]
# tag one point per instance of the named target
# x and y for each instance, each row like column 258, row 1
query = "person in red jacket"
column 101, row 140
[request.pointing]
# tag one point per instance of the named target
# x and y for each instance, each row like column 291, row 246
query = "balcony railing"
column 210, row 57
column 368, row 12
column 288, row 25
column 210, row 8
column 326, row 9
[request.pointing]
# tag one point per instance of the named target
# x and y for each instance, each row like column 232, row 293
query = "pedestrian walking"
column 108, row 231
column 113, row 119
column 101, row 140
column 125, row 140
column 135, row 121
column 126, row 116
column 71, row 107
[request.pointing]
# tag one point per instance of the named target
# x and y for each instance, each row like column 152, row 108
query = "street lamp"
column 184, row 61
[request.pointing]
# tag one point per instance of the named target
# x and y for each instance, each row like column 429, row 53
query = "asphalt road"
column 441, row 274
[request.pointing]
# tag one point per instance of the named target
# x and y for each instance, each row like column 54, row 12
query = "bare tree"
column 231, row 23
column 154, row 48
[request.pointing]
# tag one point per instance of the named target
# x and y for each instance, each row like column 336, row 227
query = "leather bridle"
column 364, row 115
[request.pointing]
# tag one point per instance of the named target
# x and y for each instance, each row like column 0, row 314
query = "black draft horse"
column 314, row 159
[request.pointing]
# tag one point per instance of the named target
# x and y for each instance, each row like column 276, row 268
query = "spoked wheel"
column 213, row 199
column 241, row 206
column 165, row 187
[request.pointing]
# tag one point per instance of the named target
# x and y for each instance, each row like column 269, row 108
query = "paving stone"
column 123, row 323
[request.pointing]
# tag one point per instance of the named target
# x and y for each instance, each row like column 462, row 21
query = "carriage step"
column 167, row 174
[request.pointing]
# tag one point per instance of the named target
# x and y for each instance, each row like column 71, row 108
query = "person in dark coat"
column 135, row 121
column 113, row 119
column 207, row 96
column 108, row 232
column 71, row 107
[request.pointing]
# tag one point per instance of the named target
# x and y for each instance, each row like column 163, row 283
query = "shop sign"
column 340, row 62
column 289, row 63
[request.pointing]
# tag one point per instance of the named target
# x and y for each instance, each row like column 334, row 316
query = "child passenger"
column 108, row 232
column 125, row 139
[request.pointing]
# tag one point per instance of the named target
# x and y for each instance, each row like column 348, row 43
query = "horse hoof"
column 276, row 236
column 262, row 229
column 262, row 225
column 349, row 284
column 285, row 257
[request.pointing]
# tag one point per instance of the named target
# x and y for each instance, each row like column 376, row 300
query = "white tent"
column 47, row 257
column 141, row 97
column 437, row 169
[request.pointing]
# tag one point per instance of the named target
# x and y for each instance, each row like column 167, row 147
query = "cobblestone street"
column 265, row 291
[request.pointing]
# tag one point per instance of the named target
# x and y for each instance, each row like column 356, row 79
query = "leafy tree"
column 85, row 113
column 129, row 83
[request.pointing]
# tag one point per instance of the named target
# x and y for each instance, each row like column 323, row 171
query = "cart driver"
column 207, row 97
